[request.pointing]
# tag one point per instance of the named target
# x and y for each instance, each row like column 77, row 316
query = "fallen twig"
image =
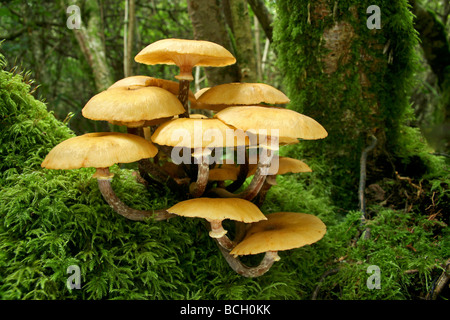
column 440, row 283
column 325, row 274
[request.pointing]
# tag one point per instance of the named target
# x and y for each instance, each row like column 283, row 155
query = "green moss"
column 403, row 245
column 27, row 130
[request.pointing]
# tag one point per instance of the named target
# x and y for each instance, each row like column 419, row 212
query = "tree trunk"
column 128, row 38
column 352, row 79
column 264, row 17
column 90, row 40
column 242, row 32
column 208, row 24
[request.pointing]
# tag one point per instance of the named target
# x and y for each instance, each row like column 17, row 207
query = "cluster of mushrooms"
column 184, row 150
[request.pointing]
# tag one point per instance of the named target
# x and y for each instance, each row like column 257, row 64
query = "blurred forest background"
column 68, row 66
column 392, row 84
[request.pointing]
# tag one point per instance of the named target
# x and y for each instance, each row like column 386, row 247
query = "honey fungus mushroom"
column 281, row 231
column 101, row 150
column 282, row 126
column 216, row 210
column 186, row 54
column 141, row 106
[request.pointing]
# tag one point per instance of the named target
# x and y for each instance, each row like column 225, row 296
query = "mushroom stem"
column 202, row 159
column 219, row 233
column 262, row 169
column 250, row 272
column 183, row 95
column 255, row 185
column 104, row 184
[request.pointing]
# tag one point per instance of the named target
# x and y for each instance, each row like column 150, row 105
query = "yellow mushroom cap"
column 199, row 93
column 130, row 82
column 132, row 105
column 233, row 94
column 224, row 173
column 185, row 54
column 98, row 150
column 197, row 133
column 289, row 123
column 281, row 231
column 219, row 209
column 136, row 82
column 285, row 165
column 169, row 85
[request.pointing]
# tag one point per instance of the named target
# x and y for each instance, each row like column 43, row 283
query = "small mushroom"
column 239, row 94
column 186, row 54
column 101, row 150
column 281, row 231
column 216, row 210
column 285, row 165
column 223, row 173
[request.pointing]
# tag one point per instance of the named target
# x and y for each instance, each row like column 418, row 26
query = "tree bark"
column 242, row 32
column 208, row 24
column 128, row 41
column 90, row 40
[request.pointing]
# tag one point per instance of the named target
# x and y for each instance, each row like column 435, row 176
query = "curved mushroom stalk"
column 104, row 178
column 219, row 233
column 250, row 272
column 202, row 157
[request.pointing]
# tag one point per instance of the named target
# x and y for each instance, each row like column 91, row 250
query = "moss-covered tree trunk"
column 350, row 75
